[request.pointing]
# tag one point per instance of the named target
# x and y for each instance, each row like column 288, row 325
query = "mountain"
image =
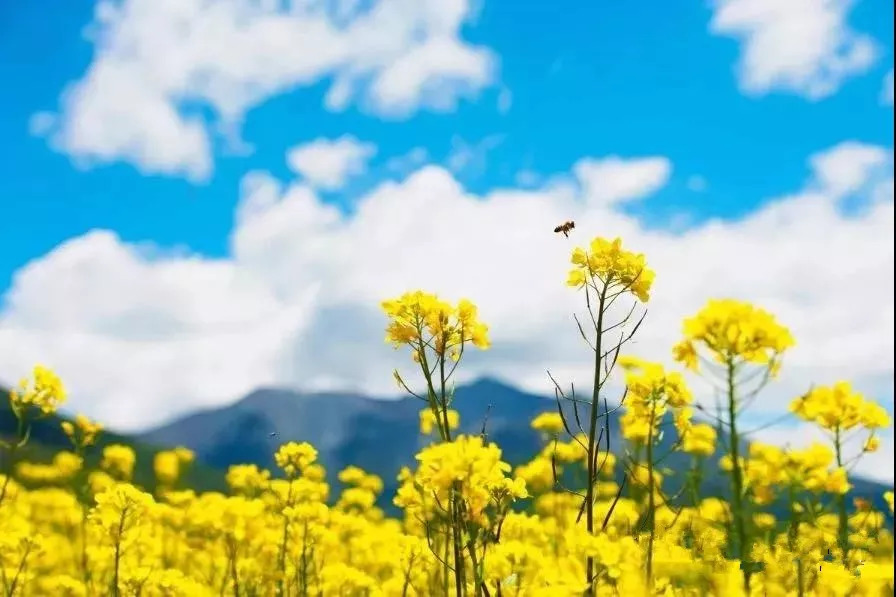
column 47, row 439
column 381, row 436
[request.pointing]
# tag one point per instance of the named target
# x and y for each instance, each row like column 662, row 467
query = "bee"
column 565, row 227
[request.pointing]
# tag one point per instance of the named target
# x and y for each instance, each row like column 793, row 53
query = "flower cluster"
column 839, row 407
column 82, row 432
column 422, row 320
column 550, row 423
column 284, row 536
column 466, row 466
column 170, row 464
column 44, row 392
column 63, row 468
column 651, row 392
column 607, row 263
column 810, row 469
column 734, row 332
column 118, row 461
column 295, row 457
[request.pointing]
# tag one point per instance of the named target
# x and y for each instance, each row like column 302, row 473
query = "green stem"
column 592, row 432
column 477, row 572
column 737, row 481
column 234, row 575
column 842, row 520
column 444, row 397
column 447, row 577
column 651, row 519
column 435, row 401
column 118, row 538
column 459, row 576
column 11, row 454
column 304, row 562
column 281, row 557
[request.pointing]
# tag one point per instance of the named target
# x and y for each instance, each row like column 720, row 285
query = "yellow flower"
column 166, row 466
column 428, row 420
column 839, row 408
column 651, row 390
column 837, row 482
column 120, row 509
column 733, row 331
column 82, row 433
column 685, row 353
column 613, row 266
column 871, row 444
column 548, row 422
column 43, row 391
column 247, row 478
column 699, row 439
column 119, row 460
column 421, row 319
column 472, row 465
column 184, row 455
column 294, row 457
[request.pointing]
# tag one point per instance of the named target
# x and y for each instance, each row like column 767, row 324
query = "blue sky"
column 127, row 238
column 585, row 79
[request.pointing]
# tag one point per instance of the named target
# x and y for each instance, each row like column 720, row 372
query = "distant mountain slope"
column 381, row 436
column 47, row 439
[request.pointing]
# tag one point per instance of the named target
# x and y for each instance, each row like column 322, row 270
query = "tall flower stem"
column 842, row 520
column 651, row 505
column 592, row 436
column 743, row 547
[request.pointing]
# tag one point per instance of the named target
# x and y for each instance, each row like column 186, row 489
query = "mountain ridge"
column 382, row 435
column 378, row 435
column 328, row 420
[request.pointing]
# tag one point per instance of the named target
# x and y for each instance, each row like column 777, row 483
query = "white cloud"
column 616, row 180
column 140, row 338
column 328, row 164
column 848, row 167
column 800, row 46
column 157, row 61
column 886, row 94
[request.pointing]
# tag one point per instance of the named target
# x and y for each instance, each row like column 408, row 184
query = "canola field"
column 597, row 521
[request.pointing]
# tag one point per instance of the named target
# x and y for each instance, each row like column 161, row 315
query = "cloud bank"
column 161, row 67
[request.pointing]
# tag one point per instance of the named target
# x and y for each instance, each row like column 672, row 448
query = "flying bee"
column 565, row 227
